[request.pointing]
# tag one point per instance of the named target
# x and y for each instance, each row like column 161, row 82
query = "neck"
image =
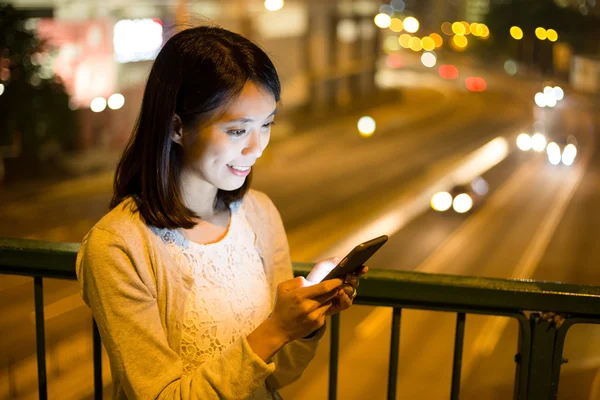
column 198, row 195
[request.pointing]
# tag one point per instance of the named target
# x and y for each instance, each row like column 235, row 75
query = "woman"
column 189, row 276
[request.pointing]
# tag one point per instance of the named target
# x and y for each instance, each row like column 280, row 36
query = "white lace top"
column 231, row 295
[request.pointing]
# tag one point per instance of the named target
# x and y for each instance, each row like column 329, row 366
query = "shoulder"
column 259, row 203
column 122, row 225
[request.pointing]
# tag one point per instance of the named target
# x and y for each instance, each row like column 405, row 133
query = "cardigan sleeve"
column 291, row 361
column 117, row 284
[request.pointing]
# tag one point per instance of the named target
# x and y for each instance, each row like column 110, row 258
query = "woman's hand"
column 347, row 292
column 300, row 307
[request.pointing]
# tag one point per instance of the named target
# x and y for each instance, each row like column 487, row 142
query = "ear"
column 177, row 134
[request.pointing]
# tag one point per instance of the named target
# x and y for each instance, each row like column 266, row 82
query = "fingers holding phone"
column 300, row 308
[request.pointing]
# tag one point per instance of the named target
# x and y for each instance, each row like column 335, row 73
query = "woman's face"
column 223, row 152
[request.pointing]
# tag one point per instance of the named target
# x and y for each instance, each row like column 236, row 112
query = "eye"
column 268, row 124
column 236, row 132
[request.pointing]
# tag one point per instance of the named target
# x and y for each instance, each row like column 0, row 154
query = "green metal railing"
column 544, row 311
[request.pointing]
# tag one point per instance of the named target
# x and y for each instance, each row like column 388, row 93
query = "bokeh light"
column 366, row 126
column 553, row 152
column 475, row 84
column 516, row 33
column 447, row 28
column 540, row 99
column 1, row 89
column 98, row 104
column 437, row 39
column 404, row 40
column 411, row 24
column 382, row 20
column 460, row 41
column 458, row 28
column 541, row 33
column 441, row 201
column 116, row 101
column 394, row 61
column 538, row 142
column 510, row 67
column 473, row 28
column 396, row 25
column 448, row 71
column 391, row 44
column 552, row 35
column 467, row 27
column 428, row 43
column 524, row 142
column 485, row 31
column 462, row 203
column 273, row 5
column 559, row 94
column 428, row 60
column 415, row 44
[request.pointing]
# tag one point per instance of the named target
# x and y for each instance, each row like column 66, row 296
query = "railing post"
column 333, row 356
column 394, row 353
column 459, row 337
column 97, row 344
column 543, row 339
column 40, row 337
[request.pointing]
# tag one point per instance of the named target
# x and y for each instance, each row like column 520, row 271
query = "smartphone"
column 356, row 259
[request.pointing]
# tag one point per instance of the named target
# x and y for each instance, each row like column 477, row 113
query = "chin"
column 232, row 185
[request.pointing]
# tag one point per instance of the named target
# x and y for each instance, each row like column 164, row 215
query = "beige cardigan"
column 137, row 296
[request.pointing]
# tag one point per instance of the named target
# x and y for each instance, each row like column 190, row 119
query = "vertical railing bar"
column 40, row 337
column 97, row 345
column 333, row 356
column 459, row 338
column 394, row 353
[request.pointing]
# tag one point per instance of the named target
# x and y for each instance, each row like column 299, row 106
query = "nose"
column 253, row 145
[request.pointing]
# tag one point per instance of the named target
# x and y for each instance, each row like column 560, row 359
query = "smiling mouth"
column 241, row 169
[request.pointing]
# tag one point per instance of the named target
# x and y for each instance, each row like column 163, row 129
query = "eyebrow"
column 244, row 120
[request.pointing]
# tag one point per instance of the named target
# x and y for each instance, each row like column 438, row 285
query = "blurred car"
column 562, row 150
column 461, row 198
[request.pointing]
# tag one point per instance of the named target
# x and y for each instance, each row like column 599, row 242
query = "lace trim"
column 231, row 295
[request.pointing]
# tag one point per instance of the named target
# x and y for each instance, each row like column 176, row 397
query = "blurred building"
column 325, row 51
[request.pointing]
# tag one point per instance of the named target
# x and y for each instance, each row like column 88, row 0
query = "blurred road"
column 327, row 183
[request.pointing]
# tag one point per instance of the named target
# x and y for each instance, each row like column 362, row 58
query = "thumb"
column 321, row 269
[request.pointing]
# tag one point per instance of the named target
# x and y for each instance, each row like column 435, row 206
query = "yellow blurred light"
column 437, row 39
column 473, row 28
column 1, row 89
column 415, row 44
column 480, row 30
column 404, row 40
column 541, row 33
column 366, row 126
column 516, row 32
column 411, row 24
column 382, row 20
column 458, row 28
column 441, row 201
column 396, row 25
column 467, row 27
column 485, row 31
column 552, row 35
column 447, row 28
column 460, row 41
column 428, row 43
column 273, row 5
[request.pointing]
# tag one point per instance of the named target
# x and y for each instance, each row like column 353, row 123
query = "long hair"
column 197, row 72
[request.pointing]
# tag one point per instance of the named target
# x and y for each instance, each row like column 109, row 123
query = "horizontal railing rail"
column 544, row 311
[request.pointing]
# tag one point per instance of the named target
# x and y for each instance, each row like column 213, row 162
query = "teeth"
column 240, row 168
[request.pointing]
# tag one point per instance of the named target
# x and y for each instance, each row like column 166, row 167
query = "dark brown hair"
column 196, row 73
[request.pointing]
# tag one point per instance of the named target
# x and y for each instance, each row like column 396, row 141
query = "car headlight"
column 441, row 201
column 462, row 203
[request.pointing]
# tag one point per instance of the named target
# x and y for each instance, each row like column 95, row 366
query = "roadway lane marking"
column 380, row 316
column 492, row 330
